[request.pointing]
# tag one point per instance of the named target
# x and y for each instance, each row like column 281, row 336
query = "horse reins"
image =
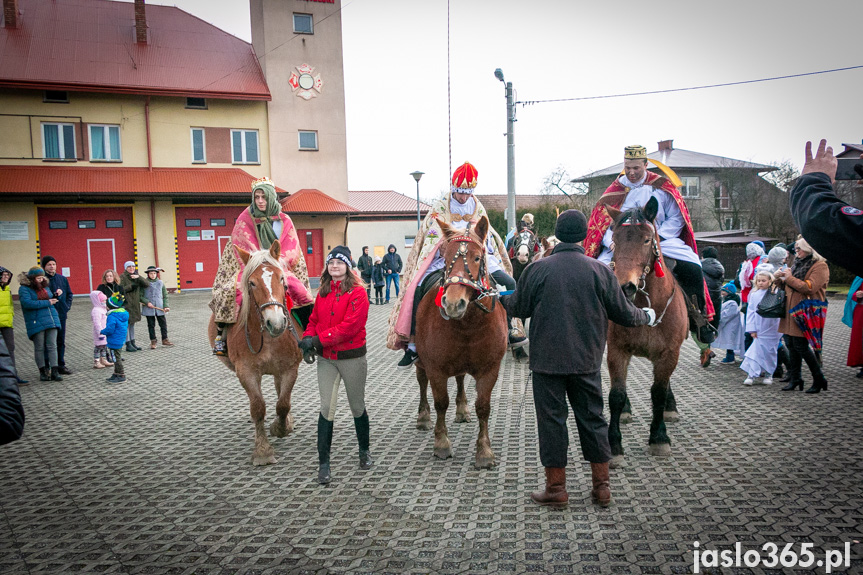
column 484, row 290
column 260, row 309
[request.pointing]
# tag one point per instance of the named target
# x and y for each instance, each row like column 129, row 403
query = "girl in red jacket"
column 337, row 331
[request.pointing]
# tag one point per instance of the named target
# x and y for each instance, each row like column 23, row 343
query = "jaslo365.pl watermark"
column 771, row 556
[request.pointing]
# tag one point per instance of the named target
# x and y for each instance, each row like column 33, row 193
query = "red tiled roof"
column 89, row 45
column 310, row 201
column 384, row 202
column 43, row 181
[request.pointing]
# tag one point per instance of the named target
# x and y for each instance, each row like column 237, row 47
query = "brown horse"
column 253, row 353
column 636, row 264
column 467, row 334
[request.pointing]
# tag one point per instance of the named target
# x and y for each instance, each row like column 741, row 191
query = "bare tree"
column 559, row 182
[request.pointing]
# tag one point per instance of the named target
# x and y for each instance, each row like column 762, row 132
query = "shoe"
column 361, row 424
column 44, row 374
column 601, row 492
column 116, row 378
column 408, row 360
column 748, row 381
column 130, row 348
column 105, row 362
column 55, row 374
column 554, row 494
column 767, row 381
column 97, row 364
column 21, row 381
column 325, row 440
column 136, row 346
column 64, row 370
column 792, row 385
column 785, row 378
column 706, row 356
column 167, row 343
column 859, row 374
column 220, row 347
column 819, row 384
column 728, row 360
column 152, row 344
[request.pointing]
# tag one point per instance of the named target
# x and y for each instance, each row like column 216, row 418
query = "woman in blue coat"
column 41, row 319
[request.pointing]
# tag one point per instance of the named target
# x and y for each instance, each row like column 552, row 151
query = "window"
column 690, row 187
column 308, row 140
column 193, row 223
column 244, row 146
column 217, row 223
column 104, row 143
column 55, row 97
column 57, row 225
column 309, row 243
column 113, row 223
column 409, row 241
column 196, row 103
column 303, row 24
column 732, row 223
column 723, row 202
column 87, row 224
column 58, row 142
column 199, row 146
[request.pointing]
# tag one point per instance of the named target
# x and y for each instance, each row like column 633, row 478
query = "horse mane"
column 256, row 260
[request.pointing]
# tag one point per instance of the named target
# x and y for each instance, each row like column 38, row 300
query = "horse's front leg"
column 659, row 443
column 484, row 387
column 284, row 422
column 251, row 380
column 671, row 414
column 618, row 363
column 462, row 415
column 424, row 412
column 442, row 445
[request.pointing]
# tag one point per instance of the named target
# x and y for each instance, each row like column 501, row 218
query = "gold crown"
column 264, row 180
column 635, row 152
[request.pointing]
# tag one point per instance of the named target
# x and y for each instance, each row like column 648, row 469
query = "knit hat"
column 753, row 250
column 128, row 263
column 571, row 227
column 35, row 271
column 47, row 259
column 759, row 243
column 341, row 253
column 464, row 179
column 777, row 255
column 730, row 288
column 710, row 252
column 377, row 259
column 115, row 301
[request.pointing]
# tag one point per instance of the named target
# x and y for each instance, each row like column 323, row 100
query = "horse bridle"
column 260, row 309
column 647, row 270
column 484, row 289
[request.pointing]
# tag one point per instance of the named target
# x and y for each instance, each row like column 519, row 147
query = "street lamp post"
column 510, row 152
column 417, row 175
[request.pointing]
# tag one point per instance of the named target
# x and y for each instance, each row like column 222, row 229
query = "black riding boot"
column 325, row 441
column 795, row 367
column 45, row 373
column 361, row 424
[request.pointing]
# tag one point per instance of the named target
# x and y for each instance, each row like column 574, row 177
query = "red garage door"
column 312, row 243
column 86, row 242
column 201, row 236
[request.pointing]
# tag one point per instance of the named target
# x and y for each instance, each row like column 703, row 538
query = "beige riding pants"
column 353, row 373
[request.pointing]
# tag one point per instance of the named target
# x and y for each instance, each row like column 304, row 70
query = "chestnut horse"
column 646, row 280
column 258, row 345
column 467, row 334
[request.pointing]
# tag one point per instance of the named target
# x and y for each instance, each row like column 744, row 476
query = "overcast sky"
column 395, row 60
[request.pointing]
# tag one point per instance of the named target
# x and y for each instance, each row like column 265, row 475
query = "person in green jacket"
column 134, row 289
column 7, row 316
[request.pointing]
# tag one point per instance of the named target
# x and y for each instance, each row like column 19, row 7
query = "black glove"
column 306, row 344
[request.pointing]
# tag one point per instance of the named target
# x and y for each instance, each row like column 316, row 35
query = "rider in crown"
column 425, row 264
column 633, row 189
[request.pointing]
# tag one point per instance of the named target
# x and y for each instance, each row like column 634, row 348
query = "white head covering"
column 753, row 250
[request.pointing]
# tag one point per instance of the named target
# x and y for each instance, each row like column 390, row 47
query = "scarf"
column 802, row 266
column 39, row 284
column 264, row 220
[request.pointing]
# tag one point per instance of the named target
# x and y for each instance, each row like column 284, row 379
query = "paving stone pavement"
column 154, row 476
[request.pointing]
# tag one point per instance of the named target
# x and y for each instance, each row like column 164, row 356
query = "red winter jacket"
column 339, row 322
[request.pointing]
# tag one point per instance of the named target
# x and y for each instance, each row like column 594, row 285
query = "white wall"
column 380, row 234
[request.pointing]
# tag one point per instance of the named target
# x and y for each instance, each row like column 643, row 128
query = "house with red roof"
column 133, row 131
column 383, row 217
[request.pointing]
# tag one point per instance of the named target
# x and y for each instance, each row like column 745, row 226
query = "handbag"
column 772, row 305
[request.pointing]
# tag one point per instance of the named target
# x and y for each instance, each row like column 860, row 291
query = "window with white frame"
column 199, row 146
column 244, row 147
column 58, row 141
column 732, row 223
column 105, row 143
column 409, row 241
column 690, row 187
column 723, row 202
column 303, row 24
column 308, row 140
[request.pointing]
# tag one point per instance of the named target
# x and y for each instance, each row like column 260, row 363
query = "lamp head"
column 498, row 73
column 417, row 175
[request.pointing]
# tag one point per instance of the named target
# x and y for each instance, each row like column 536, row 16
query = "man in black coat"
column 58, row 285
column 365, row 266
column 570, row 298
column 392, row 263
column 11, row 410
column 832, row 227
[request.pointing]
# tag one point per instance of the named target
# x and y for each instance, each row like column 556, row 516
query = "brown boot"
column 601, row 493
column 152, row 344
column 167, row 343
column 554, row 493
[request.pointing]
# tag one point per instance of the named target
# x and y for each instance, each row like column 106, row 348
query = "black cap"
column 340, row 252
column 710, row 252
column 571, row 227
column 47, row 259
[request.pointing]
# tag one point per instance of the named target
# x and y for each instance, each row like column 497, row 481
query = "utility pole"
column 510, row 152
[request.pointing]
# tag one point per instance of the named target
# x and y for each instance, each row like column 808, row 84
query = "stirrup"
column 220, row 347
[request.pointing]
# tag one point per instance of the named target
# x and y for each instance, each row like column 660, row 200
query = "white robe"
column 730, row 328
column 761, row 355
column 669, row 222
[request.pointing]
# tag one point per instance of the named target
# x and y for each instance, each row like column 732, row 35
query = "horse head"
column 636, row 245
column 465, row 271
column 263, row 286
column 523, row 246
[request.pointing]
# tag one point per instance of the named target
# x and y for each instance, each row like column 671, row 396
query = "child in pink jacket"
column 101, row 359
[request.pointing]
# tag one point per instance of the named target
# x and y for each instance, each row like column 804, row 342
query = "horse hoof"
column 671, row 416
column 443, row 452
column 659, row 449
column 424, row 424
column 462, row 418
column 617, row 462
column 261, row 460
column 625, row 417
column 277, row 430
column 484, row 462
